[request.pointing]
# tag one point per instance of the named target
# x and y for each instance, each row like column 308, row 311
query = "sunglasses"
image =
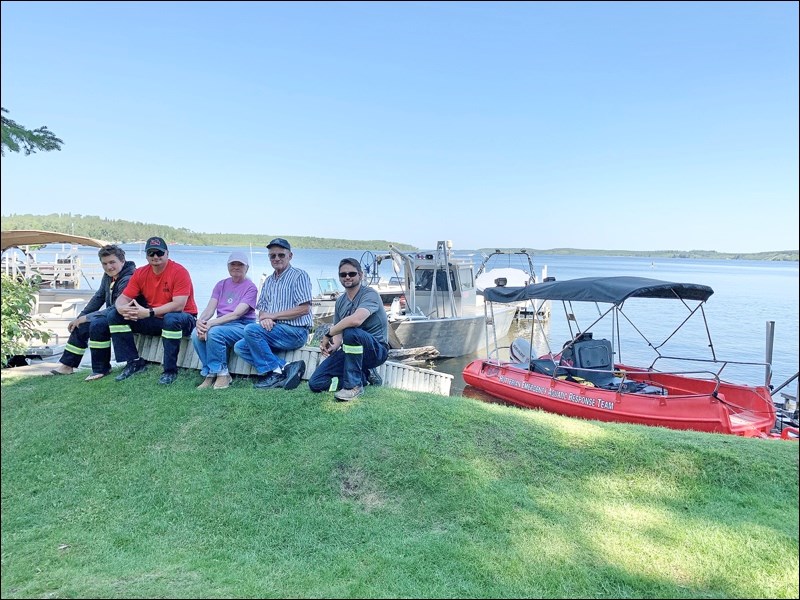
column 277, row 255
column 348, row 274
column 155, row 253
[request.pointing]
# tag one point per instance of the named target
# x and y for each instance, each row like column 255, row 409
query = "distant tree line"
column 781, row 255
column 123, row 232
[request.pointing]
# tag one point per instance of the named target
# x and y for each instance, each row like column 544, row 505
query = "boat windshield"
column 424, row 280
column 327, row 286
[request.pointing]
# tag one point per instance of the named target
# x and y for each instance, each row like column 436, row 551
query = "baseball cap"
column 155, row 243
column 280, row 242
column 238, row 257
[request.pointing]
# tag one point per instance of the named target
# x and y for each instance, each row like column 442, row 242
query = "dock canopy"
column 37, row 237
column 612, row 290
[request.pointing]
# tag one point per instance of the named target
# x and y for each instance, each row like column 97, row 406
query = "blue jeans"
column 259, row 345
column 213, row 351
column 94, row 334
column 171, row 328
column 360, row 352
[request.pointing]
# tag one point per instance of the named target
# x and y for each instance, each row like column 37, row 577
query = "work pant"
column 213, row 351
column 172, row 327
column 95, row 335
column 258, row 346
column 360, row 352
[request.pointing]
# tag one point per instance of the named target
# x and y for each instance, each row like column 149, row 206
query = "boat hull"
column 54, row 310
column 452, row 336
column 323, row 308
column 685, row 403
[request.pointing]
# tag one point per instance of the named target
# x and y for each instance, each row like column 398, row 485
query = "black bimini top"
column 612, row 290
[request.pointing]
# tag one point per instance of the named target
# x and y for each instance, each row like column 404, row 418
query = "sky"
column 630, row 126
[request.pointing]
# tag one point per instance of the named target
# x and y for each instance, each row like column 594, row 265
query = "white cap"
column 238, row 257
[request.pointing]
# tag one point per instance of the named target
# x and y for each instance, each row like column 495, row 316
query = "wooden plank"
column 395, row 375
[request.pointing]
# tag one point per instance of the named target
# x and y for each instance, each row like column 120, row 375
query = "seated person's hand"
column 326, row 346
column 131, row 311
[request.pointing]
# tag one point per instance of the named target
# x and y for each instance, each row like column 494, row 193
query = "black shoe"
column 134, row 366
column 270, row 380
column 374, row 378
column 167, row 378
column 293, row 374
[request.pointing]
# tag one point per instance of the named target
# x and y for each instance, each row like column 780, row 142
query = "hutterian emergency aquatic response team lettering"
column 558, row 394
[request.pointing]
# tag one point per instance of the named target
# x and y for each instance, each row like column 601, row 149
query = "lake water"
column 747, row 294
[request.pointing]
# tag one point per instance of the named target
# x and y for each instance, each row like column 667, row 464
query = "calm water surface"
column 747, row 294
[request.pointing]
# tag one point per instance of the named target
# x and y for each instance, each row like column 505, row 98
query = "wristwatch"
column 328, row 335
column 152, row 313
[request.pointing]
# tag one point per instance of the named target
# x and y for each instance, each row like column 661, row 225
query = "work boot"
column 270, row 380
column 167, row 378
column 374, row 378
column 345, row 395
column 293, row 374
column 137, row 365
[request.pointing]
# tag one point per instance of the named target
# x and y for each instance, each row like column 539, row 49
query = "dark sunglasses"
column 277, row 255
column 155, row 253
column 348, row 274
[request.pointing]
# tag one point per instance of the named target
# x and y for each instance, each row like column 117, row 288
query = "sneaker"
column 167, row 378
column 345, row 395
column 270, row 380
column 374, row 378
column 134, row 366
column 293, row 374
column 207, row 382
column 223, row 382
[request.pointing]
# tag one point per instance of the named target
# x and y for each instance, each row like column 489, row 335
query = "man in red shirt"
column 170, row 311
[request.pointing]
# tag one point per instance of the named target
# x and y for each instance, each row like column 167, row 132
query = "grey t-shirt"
column 367, row 298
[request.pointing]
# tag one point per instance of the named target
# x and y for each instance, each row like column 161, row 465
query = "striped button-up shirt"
column 288, row 291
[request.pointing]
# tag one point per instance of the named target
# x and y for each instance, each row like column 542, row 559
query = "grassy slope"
column 133, row 490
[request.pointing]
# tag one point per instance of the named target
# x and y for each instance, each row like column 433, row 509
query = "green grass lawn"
column 132, row 489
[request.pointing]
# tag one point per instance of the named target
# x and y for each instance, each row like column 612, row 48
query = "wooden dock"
column 395, row 375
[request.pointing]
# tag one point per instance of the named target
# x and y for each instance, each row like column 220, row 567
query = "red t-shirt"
column 160, row 289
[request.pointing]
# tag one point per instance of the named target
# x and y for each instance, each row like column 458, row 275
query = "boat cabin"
column 437, row 283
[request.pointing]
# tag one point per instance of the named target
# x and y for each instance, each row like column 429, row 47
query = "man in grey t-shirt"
column 357, row 341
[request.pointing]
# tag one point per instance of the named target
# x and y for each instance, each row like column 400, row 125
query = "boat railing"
column 723, row 364
column 493, row 352
column 391, row 283
column 408, row 317
column 66, row 272
column 618, row 378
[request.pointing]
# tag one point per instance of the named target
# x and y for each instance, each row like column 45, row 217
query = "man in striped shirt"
column 284, row 320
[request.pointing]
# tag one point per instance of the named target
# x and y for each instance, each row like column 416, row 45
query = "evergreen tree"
column 16, row 137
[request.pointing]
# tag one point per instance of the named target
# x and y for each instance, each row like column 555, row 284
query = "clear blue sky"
column 635, row 126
